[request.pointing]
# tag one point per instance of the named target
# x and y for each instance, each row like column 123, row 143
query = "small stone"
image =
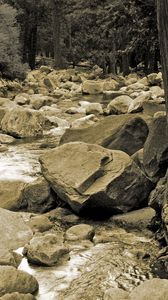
column 80, row 232
column 40, row 223
column 6, row 139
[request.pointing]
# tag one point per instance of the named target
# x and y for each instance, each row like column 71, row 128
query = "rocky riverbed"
column 78, row 152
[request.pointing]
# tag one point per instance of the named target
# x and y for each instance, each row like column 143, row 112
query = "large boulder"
column 12, row 280
column 127, row 133
column 94, row 179
column 13, row 230
column 22, row 123
column 156, row 149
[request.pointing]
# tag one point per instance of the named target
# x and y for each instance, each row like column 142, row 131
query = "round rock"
column 80, row 232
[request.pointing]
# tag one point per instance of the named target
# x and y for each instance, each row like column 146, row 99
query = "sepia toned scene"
column 84, row 149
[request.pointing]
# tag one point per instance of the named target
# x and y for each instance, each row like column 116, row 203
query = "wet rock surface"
column 113, row 264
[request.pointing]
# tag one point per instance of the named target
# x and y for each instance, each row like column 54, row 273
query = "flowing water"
column 123, row 261
column 117, row 258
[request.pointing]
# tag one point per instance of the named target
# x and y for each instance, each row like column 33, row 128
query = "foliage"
column 105, row 32
column 10, row 61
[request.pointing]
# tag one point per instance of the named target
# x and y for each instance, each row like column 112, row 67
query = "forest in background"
column 117, row 35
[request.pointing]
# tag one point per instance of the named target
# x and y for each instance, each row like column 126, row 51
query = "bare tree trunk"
column 25, row 39
column 162, row 13
column 32, row 47
column 57, row 18
column 125, row 64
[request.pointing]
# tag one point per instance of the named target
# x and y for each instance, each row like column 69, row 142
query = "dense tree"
column 30, row 13
column 10, row 58
column 105, row 32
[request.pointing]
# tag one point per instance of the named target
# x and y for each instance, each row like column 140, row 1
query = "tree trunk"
column 151, row 65
column 125, row 64
column 162, row 13
column 32, row 47
column 25, row 39
column 57, row 18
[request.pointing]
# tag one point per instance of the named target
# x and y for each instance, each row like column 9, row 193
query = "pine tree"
column 10, row 60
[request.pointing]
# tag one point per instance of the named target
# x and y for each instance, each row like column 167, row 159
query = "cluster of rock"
column 28, row 109
column 14, row 283
column 46, row 95
column 112, row 158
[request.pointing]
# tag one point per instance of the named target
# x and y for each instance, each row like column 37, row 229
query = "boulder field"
column 93, row 147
